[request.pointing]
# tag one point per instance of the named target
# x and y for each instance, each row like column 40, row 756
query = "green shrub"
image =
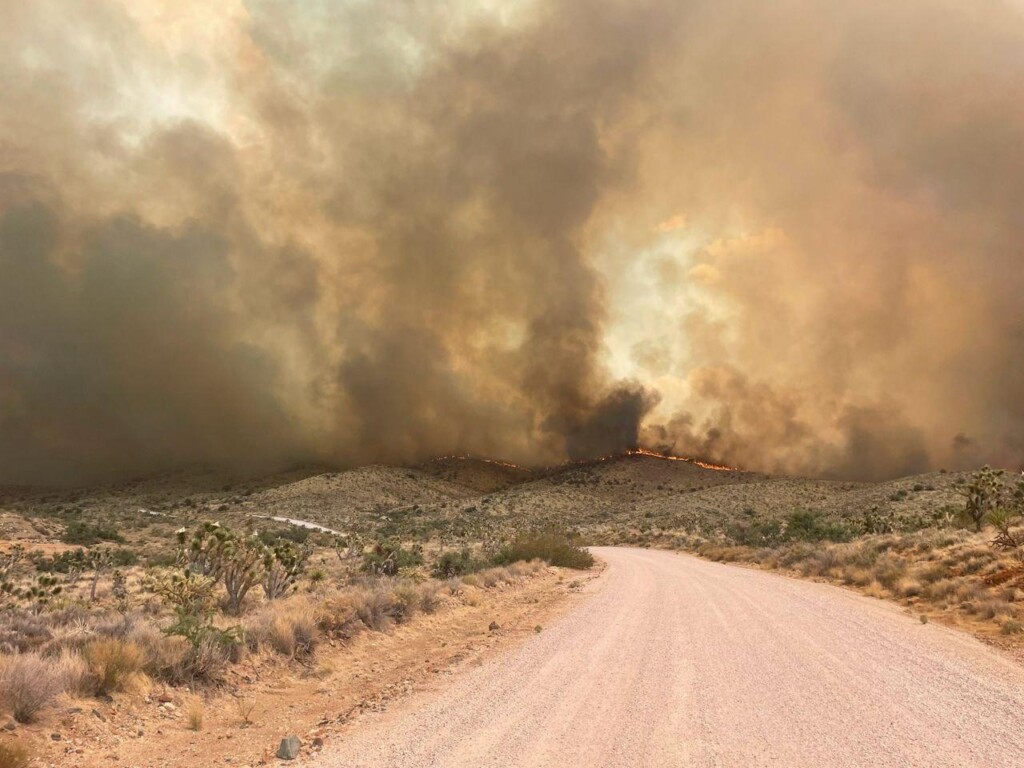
column 757, row 532
column 812, row 527
column 553, row 548
column 388, row 557
column 1012, row 627
column 87, row 534
column 456, row 564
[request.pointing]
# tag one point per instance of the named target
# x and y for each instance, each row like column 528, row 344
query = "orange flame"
column 687, row 459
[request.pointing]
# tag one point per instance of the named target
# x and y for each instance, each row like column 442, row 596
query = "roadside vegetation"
column 967, row 566
column 97, row 620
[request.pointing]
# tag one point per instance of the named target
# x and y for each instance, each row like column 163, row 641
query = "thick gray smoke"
column 257, row 233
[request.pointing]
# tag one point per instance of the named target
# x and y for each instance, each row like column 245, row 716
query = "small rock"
column 318, row 743
column 494, row 627
column 10, row 725
column 289, row 748
column 168, row 706
column 164, row 698
column 55, row 736
column 96, row 713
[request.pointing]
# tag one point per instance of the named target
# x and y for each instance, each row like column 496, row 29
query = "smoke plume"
column 785, row 235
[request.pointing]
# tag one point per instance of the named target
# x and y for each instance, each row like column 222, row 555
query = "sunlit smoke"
column 781, row 236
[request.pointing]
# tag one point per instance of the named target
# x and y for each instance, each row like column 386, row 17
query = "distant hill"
column 632, row 498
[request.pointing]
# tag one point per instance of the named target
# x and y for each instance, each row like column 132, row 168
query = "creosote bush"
column 553, row 548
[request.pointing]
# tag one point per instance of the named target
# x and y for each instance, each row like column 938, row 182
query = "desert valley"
column 123, row 631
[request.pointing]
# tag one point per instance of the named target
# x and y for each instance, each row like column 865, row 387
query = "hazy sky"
column 782, row 235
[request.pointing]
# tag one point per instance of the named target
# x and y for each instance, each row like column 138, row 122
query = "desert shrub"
column 554, row 548
column 888, row 570
column 991, row 609
column 1011, row 627
column 794, row 554
column 13, row 755
column 209, row 647
column 933, row 573
column 112, row 663
column 21, row 632
column 389, row 557
column 756, row 532
column 377, row 608
column 28, row 684
column 174, row 659
column 287, row 628
column 164, row 656
column 407, row 598
column 456, row 564
column 73, row 670
column 907, row 587
column 493, row 576
column 339, row 616
column 88, row 534
column 820, row 563
column 857, row 576
column 292, row 533
column 813, row 527
column 206, row 660
column 968, row 591
column 941, row 589
column 430, row 598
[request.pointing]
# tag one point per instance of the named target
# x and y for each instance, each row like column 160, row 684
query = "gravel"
column 675, row 661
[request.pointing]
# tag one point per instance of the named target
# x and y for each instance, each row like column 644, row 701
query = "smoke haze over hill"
column 785, row 236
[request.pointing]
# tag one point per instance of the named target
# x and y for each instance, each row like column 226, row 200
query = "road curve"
column 677, row 661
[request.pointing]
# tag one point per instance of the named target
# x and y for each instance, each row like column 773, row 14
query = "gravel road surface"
column 675, row 661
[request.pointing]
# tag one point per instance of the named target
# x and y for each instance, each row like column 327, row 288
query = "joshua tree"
column 11, row 563
column 983, row 495
column 1004, row 518
column 283, row 563
column 217, row 552
column 100, row 561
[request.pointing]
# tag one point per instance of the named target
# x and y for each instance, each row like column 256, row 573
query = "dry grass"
column 96, row 652
column 246, row 708
column 112, row 664
column 194, row 711
column 287, row 627
column 940, row 571
column 13, row 755
column 28, row 684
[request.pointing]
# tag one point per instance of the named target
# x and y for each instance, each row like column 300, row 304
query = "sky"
column 783, row 236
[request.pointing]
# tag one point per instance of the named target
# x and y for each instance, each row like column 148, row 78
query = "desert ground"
column 448, row 614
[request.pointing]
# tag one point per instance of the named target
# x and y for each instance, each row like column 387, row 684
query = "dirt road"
column 676, row 661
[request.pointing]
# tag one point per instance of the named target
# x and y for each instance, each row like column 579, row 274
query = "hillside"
column 623, row 499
